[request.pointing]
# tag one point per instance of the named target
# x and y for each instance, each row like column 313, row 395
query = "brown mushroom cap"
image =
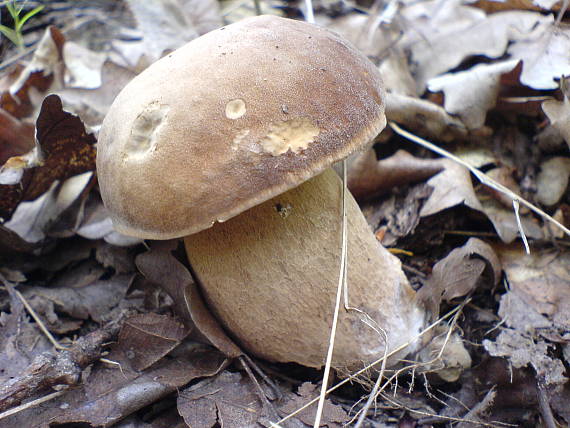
column 230, row 120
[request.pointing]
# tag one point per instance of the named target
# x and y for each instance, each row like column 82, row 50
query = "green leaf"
column 27, row 16
column 9, row 33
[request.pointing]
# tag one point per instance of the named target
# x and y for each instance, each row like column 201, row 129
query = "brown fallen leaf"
column 460, row 272
column 471, row 93
column 544, row 54
column 160, row 267
column 111, row 394
column 451, row 187
column 45, row 182
column 16, row 137
column 423, row 118
column 230, row 400
column 369, row 177
column 535, row 310
column 451, row 34
column 333, row 414
column 145, row 338
column 42, row 72
column 164, row 27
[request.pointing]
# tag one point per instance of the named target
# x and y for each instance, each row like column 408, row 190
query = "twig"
column 544, row 405
column 39, row 322
column 31, row 404
column 61, row 368
column 482, row 177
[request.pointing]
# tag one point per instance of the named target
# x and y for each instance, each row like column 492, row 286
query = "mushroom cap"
column 230, row 120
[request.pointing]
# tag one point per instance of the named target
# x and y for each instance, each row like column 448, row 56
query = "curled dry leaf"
column 162, row 268
column 451, row 187
column 460, row 272
column 423, row 117
column 470, row 94
column 65, row 154
column 552, row 180
column 369, row 177
column 97, row 300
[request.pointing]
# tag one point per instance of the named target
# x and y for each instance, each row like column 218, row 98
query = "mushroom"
column 227, row 142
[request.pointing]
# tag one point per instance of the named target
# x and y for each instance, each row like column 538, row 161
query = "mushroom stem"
column 270, row 276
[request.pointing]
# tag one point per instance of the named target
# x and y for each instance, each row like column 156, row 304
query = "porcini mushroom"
column 227, row 142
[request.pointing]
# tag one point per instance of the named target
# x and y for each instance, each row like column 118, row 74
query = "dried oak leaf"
column 423, row 117
column 558, row 112
column 544, row 54
column 230, row 400
column 161, row 267
column 16, row 137
column 369, row 177
column 145, row 338
column 39, row 75
column 65, row 154
column 459, row 273
column 165, row 26
column 448, row 35
column 536, row 310
column 333, row 414
column 453, row 186
column 470, row 94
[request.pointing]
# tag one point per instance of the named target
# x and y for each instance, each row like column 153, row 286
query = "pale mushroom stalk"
column 270, row 275
column 215, row 143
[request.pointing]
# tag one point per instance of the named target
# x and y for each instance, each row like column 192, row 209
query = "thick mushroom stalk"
column 271, row 274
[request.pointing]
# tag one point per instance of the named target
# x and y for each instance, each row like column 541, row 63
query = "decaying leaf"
column 111, row 394
column 369, row 177
column 98, row 300
column 459, row 273
column 51, row 177
column 82, row 66
column 333, row 414
column 43, row 72
column 470, row 94
column 92, row 104
column 423, row 117
column 448, row 35
column 544, row 54
column 535, row 309
column 451, row 187
column 146, row 338
column 230, row 400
